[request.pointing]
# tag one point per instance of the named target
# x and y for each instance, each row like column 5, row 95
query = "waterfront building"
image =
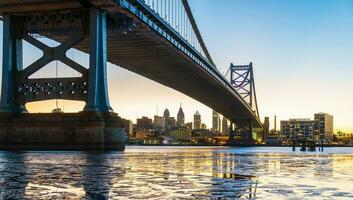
column 144, row 123
column 180, row 117
column 323, row 127
column 225, row 127
column 216, row 122
column 142, row 134
column 180, row 133
column 197, row 120
column 202, row 136
column 300, row 128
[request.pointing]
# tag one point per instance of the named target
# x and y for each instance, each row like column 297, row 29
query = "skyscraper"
column 225, row 128
column 158, row 122
column 180, row 117
column 216, row 126
column 166, row 116
column 266, row 125
column 197, row 120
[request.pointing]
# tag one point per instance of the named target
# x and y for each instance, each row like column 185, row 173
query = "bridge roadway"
column 145, row 51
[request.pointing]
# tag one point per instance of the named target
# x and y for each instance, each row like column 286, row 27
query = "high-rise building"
column 158, row 122
column 197, row 120
column 129, row 128
column 171, row 122
column 225, row 128
column 180, row 117
column 166, row 116
column 144, row 123
column 216, row 125
column 323, row 127
column 266, row 125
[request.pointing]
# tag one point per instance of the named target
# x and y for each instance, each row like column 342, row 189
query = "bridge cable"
column 196, row 30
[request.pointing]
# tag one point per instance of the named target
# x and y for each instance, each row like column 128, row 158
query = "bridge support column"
column 11, row 66
column 241, row 132
column 98, row 99
column 98, row 129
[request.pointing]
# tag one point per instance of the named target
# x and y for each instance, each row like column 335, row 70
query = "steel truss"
column 242, row 79
column 72, row 27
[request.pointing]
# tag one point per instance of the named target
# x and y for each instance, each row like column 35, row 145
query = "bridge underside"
column 145, row 52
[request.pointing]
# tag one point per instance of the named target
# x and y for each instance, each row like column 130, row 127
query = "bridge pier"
column 241, row 132
column 11, row 66
column 97, row 99
column 97, row 127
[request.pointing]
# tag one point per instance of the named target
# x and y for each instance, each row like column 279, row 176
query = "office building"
column 180, row 133
column 166, row 116
column 158, row 122
column 171, row 122
column 225, row 127
column 266, row 126
column 216, row 122
column 197, row 120
column 180, row 117
column 144, row 123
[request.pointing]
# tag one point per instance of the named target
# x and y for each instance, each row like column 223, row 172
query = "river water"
column 178, row 173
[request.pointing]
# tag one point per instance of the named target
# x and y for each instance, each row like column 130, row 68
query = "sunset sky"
column 302, row 52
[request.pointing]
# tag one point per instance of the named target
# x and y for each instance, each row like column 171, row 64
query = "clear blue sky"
column 302, row 51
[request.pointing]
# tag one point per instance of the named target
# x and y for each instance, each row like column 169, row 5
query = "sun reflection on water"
column 176, row 173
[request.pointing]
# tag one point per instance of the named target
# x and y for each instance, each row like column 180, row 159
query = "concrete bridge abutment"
column 97, row 127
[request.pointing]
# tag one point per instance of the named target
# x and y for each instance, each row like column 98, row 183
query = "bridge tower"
column 242, row 79
column 17, row 86
column 86, row 27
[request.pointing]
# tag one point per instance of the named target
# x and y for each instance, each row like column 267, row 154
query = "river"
column 144, row 172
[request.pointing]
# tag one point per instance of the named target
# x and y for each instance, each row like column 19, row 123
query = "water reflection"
column 14, row 177
column 176, row 173
column 96, row 177
column 227, row 183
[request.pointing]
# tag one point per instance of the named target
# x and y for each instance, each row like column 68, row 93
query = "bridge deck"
column 145, row 52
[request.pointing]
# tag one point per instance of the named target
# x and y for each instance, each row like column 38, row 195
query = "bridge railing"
column 174, row 13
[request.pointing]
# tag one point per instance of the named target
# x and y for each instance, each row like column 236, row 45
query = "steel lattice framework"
column 242, row 79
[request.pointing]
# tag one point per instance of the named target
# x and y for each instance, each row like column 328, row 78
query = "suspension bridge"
column 157, row 39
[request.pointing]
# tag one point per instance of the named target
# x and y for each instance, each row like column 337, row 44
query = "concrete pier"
column 62, row 131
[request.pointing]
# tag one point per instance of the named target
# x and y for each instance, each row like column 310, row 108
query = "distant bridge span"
column 141, row 40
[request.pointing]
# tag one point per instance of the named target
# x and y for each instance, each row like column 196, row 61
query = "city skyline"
column 316, row 42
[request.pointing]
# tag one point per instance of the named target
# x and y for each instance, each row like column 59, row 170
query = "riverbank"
column 239, row 145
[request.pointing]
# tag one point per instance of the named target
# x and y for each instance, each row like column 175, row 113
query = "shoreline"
column 212, row 145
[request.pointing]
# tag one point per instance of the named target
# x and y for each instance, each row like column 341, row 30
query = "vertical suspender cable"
column 196, row 30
